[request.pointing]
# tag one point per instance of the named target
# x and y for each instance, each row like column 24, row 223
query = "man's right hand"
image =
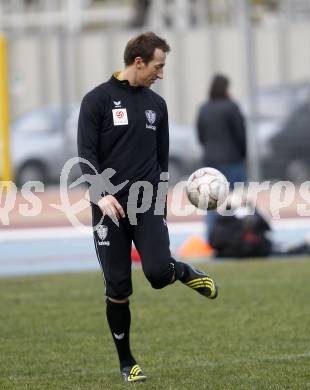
column 110, row 207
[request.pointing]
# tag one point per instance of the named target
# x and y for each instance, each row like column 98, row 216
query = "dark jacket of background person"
column 221, row 127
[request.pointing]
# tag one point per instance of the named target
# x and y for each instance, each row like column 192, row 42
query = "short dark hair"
column 219, row 86
column 143, row 46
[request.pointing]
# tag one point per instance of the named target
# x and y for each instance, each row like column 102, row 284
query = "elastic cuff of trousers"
column 116, row 304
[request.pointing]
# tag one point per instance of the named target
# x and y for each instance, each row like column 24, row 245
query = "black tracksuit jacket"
column 124, row 128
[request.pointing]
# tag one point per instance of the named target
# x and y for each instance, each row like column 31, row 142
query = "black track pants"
column 113, row 246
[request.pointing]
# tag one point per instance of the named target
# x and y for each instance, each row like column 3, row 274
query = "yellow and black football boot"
column 199, row 281
column 133, row 374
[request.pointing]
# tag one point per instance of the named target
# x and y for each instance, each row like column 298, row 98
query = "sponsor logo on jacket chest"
column 120, row 117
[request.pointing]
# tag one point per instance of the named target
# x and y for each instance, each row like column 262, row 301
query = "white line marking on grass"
column 298, row 356
column 198, row 227
column 264, row 359
column 39, row 234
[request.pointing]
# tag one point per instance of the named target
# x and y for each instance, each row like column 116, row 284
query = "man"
column 123, row 126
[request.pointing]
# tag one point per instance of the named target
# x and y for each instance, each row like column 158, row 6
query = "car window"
column 35, row 122
column 301, row 121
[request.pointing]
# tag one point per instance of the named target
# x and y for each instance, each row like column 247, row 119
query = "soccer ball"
column 207, row 188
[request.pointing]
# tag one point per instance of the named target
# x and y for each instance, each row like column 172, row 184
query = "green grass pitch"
column 54, row 335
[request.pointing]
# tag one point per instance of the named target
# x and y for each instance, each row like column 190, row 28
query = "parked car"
column 40, row 145
column 282, row 134
column 288, row 151
column 38, row 151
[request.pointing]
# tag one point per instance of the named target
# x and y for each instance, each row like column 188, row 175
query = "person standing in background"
column 222, row 133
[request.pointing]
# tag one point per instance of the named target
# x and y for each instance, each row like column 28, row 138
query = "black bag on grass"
column 241, row 235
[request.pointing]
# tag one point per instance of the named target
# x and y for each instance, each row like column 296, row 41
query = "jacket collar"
column 123, row 83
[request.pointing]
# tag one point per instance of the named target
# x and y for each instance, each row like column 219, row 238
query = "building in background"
column 60, row 49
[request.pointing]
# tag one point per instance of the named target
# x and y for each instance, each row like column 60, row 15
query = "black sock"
column 118, row 316
column 180, row 270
